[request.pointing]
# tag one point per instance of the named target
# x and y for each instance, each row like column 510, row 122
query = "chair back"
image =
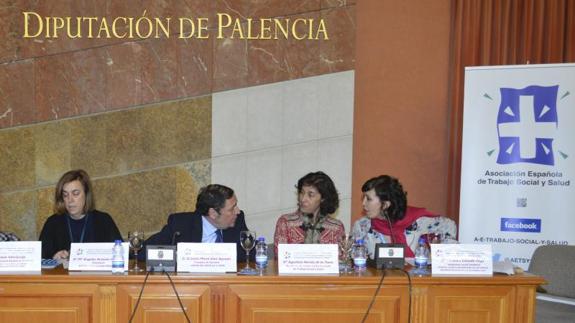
column 557, row 265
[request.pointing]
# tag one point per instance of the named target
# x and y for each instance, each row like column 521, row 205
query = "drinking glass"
column 434, row 237
column 136, row 239
column 248, row 241
column 345, row 245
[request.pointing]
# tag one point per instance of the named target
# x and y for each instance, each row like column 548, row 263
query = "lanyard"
column 83, row 228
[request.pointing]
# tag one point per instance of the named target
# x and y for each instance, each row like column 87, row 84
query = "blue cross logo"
column 526, row 122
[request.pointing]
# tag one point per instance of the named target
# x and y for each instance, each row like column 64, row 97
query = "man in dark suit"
column 217, row 218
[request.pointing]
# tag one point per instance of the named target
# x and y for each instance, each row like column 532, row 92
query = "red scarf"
column 411, row 215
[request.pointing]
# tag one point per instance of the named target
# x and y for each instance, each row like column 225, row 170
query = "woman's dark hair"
column 325, row 187
column 388, row 188
column 213, row 196
column 74, row 175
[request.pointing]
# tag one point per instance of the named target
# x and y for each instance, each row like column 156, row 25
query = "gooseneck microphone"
column 390, row 227
column 175, row 237
column 308, row 225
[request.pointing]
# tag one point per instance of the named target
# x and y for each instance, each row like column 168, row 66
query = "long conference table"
column 60, row 296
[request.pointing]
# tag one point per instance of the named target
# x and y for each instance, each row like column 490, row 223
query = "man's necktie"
column 219, row 236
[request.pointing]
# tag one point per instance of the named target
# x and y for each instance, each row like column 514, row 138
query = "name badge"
column 308, row 259
column 461, row 259
column 95, row 256
column 195, row 257
column 20, row 256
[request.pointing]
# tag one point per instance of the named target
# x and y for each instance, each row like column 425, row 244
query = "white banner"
column 518, row 158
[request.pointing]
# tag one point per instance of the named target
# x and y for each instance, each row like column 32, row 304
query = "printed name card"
column 207, row 257
column 95, row 256
column 461, row 259
column 20, row 256
column 308, row 259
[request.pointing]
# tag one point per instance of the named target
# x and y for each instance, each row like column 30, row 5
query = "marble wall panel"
column 144, row 200
column 45, row 206
column 230, row 124
column 52, row 154
column 17, row 93
column 276, row 8
column 138, row 201
column 338, row 53
column 238, row 8
column 190, row 177
column 335, row 95
column 124, row 74
column 18, row 214
column 88, row 144
column 160, row 74
column 70, row 84
column 17, row 159
column 10, row 31
column 196, row 66
column 230, row 62
column 174, row 68
column 115, row 77
column 85, row 76
column 138, row 139
column 336, row 3
column 41, row 46
column 106, row 144
column 274, row 61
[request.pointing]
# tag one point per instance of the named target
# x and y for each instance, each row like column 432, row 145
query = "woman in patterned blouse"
column 313, row 221
column 388, row 219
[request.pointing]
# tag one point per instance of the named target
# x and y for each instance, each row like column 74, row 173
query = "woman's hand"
column 61, row 255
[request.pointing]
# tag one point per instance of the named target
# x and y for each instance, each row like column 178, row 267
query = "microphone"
column 162, row 257
column 308, row 225
column 175, row 237
column 389, row 255
column 390, row 227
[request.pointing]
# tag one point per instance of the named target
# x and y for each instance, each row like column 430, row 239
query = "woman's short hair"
column 74, row 175
column 325, row 187
column 213, row 196
column 388, row 188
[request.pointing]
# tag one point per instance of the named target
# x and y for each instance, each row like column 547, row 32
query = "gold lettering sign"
column 228, row 26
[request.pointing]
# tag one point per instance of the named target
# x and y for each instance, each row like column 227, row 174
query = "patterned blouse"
column 290, row 228
column 438, row 224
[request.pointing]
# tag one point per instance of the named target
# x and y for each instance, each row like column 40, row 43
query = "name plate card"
column 461, row 260
column 95, row 256
column 308, row 259
column 20, row 256
column 195, row 257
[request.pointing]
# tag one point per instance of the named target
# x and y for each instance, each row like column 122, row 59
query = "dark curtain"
column 501, row 32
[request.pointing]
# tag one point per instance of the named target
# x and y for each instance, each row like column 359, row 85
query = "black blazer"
column 55, row 237
column 189, row 224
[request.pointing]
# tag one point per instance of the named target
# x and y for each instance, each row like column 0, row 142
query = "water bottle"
column 359, row 254
column 118, row 258
column 261, row 253
column 421, row 254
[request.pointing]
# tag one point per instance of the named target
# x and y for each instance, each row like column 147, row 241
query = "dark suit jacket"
column 189, row 224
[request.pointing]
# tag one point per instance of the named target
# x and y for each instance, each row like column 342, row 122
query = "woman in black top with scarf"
column 75, row 218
